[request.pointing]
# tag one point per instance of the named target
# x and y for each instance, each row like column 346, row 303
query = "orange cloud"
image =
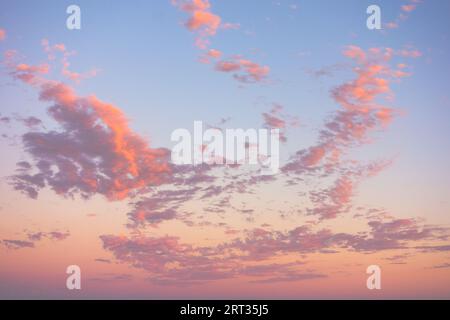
column 2, row 34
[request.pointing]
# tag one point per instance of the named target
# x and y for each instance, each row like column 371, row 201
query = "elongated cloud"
column 2, row 34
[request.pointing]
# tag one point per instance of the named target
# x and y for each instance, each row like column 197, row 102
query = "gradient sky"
column 85, row 123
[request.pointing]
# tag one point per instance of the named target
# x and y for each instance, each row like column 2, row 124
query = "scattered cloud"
column 276, row 119
column 112, row 277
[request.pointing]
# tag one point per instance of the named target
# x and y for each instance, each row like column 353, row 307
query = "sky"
column 86, row 175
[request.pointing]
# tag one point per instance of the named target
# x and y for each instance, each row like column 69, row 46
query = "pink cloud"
column 227, row 66
column 206, row 24
column 391, row 25
column 409, row 53
column 201, row 19
column 2, row 34
column 361, row 113
column 213, row 53
column 52, row 235
column 244, row 70
column 409, row 7
column 275, row 119
column 100, row 155
column 94, row 150
column 231, row 26
column 252, row 255
column 17, row 244
column 53, row 50
column 355, row 52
